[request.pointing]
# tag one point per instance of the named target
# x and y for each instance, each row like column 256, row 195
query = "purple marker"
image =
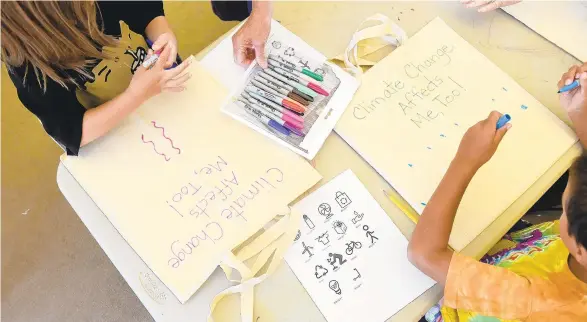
column 292, row 125
column 264, row 119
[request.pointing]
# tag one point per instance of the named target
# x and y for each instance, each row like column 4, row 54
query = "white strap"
column 385, row 30
column 245, row 288
column 280, row 238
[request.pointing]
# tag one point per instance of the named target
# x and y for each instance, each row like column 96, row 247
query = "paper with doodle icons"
column 350, row 257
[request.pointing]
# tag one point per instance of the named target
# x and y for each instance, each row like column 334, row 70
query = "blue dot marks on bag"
column 524, row 107
column 456, row 124
column 442, row 135
column 493, row 99
column 423, row 203
column 410, row 165
column 429, row 148
column 504, row 89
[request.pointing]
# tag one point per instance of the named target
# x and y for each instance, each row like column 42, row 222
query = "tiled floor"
column 52, row 268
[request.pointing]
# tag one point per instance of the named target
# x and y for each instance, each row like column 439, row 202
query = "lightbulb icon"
column 335, row 287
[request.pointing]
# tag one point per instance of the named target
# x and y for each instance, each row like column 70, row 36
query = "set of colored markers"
column 279, row 95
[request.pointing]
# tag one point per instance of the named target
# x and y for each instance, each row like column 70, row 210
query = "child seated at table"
column 536, row 274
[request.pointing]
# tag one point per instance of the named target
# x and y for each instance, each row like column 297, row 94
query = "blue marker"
column 502, row 121
column 569, row 87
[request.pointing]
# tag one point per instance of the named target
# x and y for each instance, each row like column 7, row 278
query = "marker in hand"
column 152, row 60
column 155, row 57
column 569, row 87
column 502, row 121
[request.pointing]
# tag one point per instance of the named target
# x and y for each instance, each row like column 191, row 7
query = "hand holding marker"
column 149, row 62
column 569, row 87
column 502, row 121
column 153, row 59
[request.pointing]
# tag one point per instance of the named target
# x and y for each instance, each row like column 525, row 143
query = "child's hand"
column 480, row 142
column 488, row 5
column 248, row 43
column 167, row 40
column 147, row 83
column 574, row 100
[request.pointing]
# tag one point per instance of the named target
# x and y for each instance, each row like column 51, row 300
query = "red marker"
column 313, row 86
column 254, row 98
column 284, row 101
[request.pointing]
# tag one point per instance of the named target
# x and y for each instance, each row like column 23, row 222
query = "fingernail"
column 568, row 82
column 508, row 126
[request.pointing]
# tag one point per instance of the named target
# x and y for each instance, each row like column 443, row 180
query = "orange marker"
column 279, row 99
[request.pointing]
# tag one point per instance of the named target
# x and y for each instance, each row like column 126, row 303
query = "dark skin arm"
column 428, row 249
column 575, row 101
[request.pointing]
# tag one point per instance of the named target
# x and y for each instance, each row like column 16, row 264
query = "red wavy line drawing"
column 146, row 142
column 165, row 136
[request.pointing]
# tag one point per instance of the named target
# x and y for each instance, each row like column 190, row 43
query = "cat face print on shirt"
column 112, row 76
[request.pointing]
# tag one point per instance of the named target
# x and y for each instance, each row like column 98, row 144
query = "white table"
column 531, row 60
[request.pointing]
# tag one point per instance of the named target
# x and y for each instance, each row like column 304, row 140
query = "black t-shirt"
column 61, row 110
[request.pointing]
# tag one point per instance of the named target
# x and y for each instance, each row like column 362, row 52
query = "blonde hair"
column 52, row 36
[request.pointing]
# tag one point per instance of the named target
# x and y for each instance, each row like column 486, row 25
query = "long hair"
column 52, row 37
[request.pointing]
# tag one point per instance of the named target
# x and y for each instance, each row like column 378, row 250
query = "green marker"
column 291, row 67
column 312, row 74
column 291, row 83
column 305, row 90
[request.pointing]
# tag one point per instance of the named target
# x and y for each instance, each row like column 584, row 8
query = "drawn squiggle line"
column 154, row 149
column 165, row 136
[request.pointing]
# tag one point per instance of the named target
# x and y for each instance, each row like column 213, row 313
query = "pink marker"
column 259, row 100
column 313, row 86
column 285, row 119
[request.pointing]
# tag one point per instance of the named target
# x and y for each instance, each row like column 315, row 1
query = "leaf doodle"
column 165, row 136
column 154, row 149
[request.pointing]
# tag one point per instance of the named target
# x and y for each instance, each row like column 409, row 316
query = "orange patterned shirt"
column 536, row 287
